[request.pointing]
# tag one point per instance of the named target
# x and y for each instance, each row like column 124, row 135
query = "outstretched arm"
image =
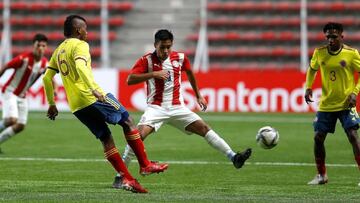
column 201, row 101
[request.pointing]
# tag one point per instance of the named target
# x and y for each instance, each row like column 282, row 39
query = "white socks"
column 219, row 144
column 6, row 134
column 128, row 155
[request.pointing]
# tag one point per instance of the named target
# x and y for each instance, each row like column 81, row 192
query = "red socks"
column 114, row 158
column 134, row 140
column 320, row 165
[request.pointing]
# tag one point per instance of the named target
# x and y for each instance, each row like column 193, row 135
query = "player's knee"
column 319, row 138
column 107, row 141
column 10, row 121
column 18, row 127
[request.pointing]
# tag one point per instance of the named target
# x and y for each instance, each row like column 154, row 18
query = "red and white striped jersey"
column 160, row 92
column 26, row 72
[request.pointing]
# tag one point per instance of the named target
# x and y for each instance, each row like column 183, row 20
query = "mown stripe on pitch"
column 174, row 162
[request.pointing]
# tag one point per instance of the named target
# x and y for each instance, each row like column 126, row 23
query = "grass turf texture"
column 197, row 173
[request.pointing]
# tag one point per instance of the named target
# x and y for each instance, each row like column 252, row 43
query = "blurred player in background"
column 91, row 105
column 338, row 64
column 161, row 70
column 28, row 67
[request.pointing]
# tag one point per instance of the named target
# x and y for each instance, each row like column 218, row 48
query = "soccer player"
column 161, row 70
column 89, row 103
column 28, row 67
column 337, row 63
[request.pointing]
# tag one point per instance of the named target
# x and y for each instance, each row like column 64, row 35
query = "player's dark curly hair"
column 68, row 24
column 333, row 26
column 163, row 34
column 40, row 38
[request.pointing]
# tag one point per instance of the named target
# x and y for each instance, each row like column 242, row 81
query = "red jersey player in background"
column 28, row 67
column 161, row 70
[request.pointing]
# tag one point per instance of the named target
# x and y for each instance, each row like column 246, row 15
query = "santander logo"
column 241, row 99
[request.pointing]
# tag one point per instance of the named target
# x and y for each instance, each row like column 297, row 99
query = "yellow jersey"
column 73, row 61
column 337, row 76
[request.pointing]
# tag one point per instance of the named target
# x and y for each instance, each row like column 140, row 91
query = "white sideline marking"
column 172, row 162
column 229, row 118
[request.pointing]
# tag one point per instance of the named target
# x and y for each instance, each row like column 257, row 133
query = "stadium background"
column 250, row 56
column 256, row 54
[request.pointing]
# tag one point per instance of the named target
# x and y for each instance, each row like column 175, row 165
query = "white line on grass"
column 224, row 118
column 172, row 162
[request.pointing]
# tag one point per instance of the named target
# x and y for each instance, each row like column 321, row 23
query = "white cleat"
column 319, row 180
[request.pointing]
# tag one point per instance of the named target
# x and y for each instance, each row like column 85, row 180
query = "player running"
column 28, row 67
column 91, row 105
column 161, row 70
column 338, row 64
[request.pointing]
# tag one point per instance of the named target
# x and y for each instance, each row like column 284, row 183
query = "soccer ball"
column 267, row 137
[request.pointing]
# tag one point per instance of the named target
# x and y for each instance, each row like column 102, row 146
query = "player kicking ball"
column 91, row 105
column 161, row 70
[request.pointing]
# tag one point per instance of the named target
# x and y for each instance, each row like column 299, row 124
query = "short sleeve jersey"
column 160, row 92
column 63, row 60
column 337, row 76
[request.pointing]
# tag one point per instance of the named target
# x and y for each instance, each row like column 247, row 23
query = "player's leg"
column 188, row 121
column 324, row 123
column 201, row 128
column 15, row 114
column 354, row 140
column 350, row 122
column 150, row 121
column 113, row 156
column 136, row 144
column 129, row 154
column 94, row 120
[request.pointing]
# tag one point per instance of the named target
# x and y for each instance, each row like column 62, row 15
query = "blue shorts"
column 326, row 121
column 98, row 114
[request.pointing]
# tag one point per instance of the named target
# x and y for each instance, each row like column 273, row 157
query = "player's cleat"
column 319, row 180
column 132, row 185
column 117, row 182
column 240, row 158
column 153, row 167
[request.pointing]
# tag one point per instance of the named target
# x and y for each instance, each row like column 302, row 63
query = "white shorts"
column 177, row 116
column 15, row 107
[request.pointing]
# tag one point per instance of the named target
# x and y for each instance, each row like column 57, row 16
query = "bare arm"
column 201, row 101
column 138, row 78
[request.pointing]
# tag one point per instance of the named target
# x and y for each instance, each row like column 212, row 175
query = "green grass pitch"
column 62, row 162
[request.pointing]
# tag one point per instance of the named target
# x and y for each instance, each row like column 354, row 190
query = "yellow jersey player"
column 337, row 63
column 91, row 105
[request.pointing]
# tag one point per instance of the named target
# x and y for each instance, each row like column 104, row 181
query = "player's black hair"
column 40, row 38
column 163, row 34
column 68, row 24
column 333, row 26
